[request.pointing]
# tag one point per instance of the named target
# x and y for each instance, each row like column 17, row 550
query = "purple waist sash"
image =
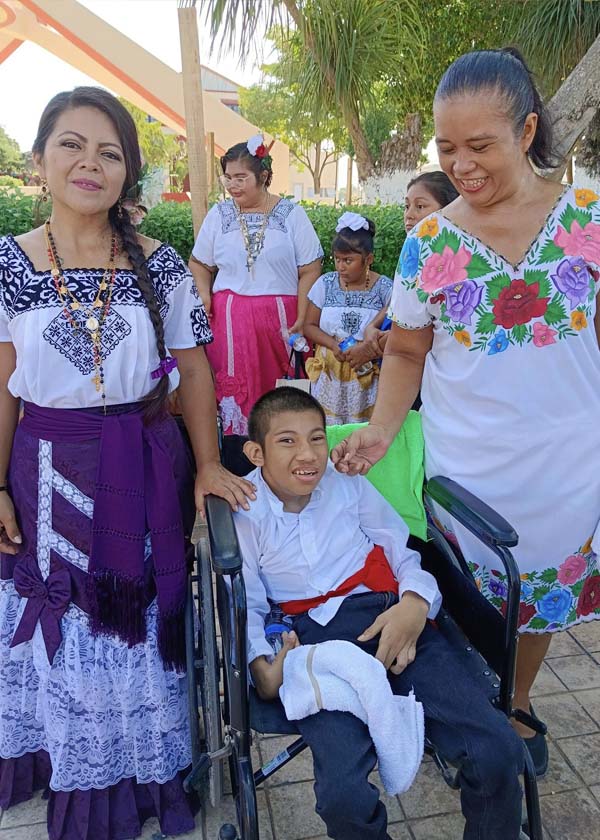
column 136, row 493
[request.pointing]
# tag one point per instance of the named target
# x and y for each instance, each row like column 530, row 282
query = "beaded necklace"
column 253, row 246
column 92, row 317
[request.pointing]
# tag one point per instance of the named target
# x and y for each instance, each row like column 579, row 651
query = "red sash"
column 376, row 575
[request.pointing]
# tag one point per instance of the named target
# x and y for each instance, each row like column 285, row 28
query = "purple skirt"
column 101, row 724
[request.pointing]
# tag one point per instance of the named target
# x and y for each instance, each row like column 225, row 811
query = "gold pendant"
column 96, row 381
column 92, row 324
column 75, row 304
column 97, row 303
column 103, row 286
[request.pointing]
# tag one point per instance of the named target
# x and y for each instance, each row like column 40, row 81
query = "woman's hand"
column 360, row 354
column 213, row 478
column 297, row 327
column 10, row 537
column 361, row 450
column 371, row 336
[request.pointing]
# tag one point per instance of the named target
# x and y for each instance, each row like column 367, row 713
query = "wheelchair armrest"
column 224, row 546
column 475, row 515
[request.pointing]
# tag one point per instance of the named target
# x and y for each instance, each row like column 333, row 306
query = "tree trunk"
column 317, row 171
column 574, row 104
column 403, row 151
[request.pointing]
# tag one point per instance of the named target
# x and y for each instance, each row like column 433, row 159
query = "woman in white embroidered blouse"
column 254, row 262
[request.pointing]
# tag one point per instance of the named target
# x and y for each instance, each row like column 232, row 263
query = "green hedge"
column 171, row 222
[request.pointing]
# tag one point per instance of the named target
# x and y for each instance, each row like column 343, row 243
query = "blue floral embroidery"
column 498, row 343
column 409, row 257
column 555, row 605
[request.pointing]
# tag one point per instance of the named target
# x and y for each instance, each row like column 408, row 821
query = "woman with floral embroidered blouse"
column 254, row 261
column 494, row 307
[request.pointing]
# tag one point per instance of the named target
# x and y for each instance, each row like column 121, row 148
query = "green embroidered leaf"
column 496, row 284
column 485, row 324
column 539, row 592
column 573, row 214
column 423, row 296
column 535, row 275
column 548, row 575
column 556, row 311
column 445, row 238
column 519, row 333
column 576, row 588
column 550, row 253
column 538, row 623
column 478, row 267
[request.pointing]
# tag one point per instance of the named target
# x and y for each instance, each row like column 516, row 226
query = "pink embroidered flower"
column 227, row 386
column 580, row 242
column 445, row 269
column 572, row 569
column 543, row 334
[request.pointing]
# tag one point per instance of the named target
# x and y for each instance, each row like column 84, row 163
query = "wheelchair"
column 221, row 726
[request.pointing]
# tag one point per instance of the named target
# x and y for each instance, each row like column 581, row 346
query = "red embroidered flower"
column 261, row 151
column 518, row 304
column 227, row 386
column 589, row 598
column 526, row 612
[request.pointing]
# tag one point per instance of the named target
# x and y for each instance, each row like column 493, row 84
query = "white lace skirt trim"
column 103, row 711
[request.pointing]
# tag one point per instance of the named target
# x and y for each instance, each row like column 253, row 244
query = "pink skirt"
column 249, row 352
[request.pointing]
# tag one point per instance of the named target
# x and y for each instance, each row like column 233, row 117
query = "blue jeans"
column 459, row 720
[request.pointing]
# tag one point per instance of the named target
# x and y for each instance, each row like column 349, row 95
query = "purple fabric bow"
column 164, row 368
column 47, row 602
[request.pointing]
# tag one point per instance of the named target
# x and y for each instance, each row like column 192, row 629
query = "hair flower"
column 256, row 143
column 354, row 221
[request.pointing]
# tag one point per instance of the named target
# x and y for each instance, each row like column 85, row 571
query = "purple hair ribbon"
column 164, row 368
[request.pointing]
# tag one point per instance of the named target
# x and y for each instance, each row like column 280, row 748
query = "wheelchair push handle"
column 475, row 515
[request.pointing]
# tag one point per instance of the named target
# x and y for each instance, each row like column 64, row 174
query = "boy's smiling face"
column 293, row 458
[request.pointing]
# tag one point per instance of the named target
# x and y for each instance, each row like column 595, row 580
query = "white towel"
column 339, row 676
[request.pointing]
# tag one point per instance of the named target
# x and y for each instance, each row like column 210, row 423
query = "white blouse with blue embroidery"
column 54, row 361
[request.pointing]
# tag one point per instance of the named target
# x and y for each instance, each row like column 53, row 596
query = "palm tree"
column 349, row 48
column 562, row 41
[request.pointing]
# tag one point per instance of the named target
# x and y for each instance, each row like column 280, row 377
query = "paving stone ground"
column 567, row 697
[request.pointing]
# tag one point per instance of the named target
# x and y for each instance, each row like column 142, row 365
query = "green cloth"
column 399, row 476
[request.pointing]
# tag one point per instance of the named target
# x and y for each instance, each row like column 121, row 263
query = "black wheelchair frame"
column 223, row 731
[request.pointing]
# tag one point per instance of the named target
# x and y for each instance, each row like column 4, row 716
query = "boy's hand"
column 268, row 676
column 400, row 627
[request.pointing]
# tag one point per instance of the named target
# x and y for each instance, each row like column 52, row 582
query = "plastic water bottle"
column 276, row 624
column 346, row 344
column 298, row 343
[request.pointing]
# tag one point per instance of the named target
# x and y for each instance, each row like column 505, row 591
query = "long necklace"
column 253, row 245
column 90, row 318
column 367, row 282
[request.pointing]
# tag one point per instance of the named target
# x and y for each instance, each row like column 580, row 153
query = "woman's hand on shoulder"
column 356, row 454
column 213, row 478
column 10, row 537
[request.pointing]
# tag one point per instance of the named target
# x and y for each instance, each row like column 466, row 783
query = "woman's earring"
column 119, row 209
column 45, row 192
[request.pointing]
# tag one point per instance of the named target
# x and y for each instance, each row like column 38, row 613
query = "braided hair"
column 105, row 102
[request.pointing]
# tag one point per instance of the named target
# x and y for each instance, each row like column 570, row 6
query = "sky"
column 31, row 76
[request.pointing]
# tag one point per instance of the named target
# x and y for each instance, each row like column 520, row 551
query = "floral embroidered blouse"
column 511, row 393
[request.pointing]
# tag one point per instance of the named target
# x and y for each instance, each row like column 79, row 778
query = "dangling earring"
column 119, row 209
column 45, row 192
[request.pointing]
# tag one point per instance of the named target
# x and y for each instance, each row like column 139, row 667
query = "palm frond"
column 238, row 26
column 554, row 35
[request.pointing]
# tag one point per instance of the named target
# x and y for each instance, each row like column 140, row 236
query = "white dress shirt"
column 291, row 556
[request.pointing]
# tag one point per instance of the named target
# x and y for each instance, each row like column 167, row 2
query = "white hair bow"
column 354, row 221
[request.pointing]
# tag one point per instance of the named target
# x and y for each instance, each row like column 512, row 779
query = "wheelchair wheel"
column 210, row 671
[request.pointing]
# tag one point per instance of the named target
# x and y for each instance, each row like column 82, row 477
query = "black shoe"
column 538, row 750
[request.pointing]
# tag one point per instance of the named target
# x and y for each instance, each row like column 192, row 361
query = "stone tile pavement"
column 567, row 697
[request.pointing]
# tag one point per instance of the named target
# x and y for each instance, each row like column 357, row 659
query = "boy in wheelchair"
column 308, row 532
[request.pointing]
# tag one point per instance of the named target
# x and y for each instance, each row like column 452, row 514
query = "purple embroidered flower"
column 498, row 588
column 462, row 300
column 572, row 278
